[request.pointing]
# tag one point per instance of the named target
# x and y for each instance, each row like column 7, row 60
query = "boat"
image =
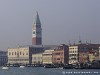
column 68, row 66
column 49, row 66
column 22, row 66
column 5, row 67
column 60, row 67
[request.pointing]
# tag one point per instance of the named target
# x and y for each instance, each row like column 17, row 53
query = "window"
column 34, row 61
column 58, row 58
column 12, row 53
column 20, row 53
column 15, row 53
column 9, row 53
column 34, row 32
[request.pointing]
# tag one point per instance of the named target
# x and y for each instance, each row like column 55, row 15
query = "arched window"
column 23, row 53
column 20, row 53
column 12, row 53
column 9, row 53
column 15, row 53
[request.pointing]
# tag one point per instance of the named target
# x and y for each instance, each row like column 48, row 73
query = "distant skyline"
column 61, row 21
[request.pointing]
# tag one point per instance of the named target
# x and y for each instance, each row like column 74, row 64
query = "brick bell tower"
column 37, row 31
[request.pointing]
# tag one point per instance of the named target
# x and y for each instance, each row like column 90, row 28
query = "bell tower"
column 37, row 31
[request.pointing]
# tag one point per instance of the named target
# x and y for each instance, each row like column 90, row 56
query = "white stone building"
column 23, row 54
column 37, row 58
column 48, row 57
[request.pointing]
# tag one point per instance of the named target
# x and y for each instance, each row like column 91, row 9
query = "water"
column 47, row 71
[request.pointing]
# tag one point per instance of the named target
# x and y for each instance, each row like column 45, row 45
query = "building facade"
column 37, row 31
column 93, row 55
column 73, row 54
column 88, row 56
column 61, row 55
column 80, row 53
column 83, row 56
column 37, row 58
column 22, row 55
column 3, row 58
column 48, row 57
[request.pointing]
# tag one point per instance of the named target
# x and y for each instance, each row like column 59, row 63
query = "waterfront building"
column 3, row 58
column 26, row 54
column 61, row 54
column 93, row 55
column 37, row 58
column 80, row 52
column 83, row 57
column 23, row 54
column 88, row 56
column 48, row 57
column 73, row 54
column 37, row 31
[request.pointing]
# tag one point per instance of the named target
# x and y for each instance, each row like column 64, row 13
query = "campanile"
column 37, row 31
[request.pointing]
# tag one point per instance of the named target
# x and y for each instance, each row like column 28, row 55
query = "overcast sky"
column 62, row 20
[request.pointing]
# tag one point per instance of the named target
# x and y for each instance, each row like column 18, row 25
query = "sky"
column 61, row 20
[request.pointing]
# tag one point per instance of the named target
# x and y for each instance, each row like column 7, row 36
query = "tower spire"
column 37, row 19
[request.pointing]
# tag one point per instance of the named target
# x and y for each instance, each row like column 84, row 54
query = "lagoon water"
column 48, row 71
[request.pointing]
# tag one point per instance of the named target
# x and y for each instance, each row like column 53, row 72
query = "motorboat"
column 22, row 66
column 5, row 67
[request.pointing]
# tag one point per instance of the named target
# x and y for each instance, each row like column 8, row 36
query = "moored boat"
column 22, row 66
column 49, row 66
column 5, row 67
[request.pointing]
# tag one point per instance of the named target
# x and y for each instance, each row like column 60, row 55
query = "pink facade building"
column 60, row 54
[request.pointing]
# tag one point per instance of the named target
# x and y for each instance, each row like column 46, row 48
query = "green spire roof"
column 37, row 19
